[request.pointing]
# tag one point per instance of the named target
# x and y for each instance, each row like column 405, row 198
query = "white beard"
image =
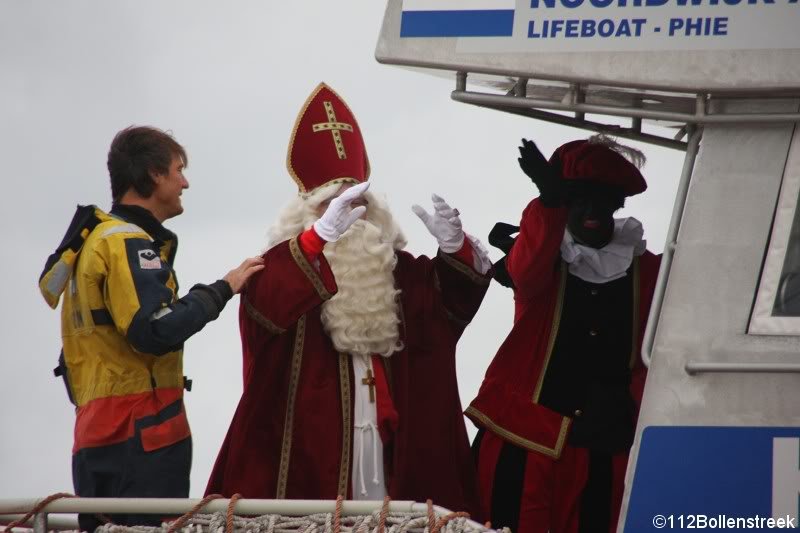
column 362, row 318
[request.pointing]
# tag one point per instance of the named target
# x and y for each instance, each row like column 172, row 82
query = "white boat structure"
column 718, row 437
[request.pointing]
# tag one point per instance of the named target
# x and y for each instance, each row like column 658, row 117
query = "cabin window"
column 777, row 305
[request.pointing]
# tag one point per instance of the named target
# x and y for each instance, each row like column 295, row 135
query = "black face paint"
column 591, row 214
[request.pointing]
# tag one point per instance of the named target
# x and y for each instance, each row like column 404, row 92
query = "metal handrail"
column 695, row 134
column 695, row 367
column 182, row 505
column 610, row 129
column 177, row 506
column 478, row 98
column 57, row 522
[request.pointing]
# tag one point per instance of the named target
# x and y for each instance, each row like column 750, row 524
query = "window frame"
column 762, row 322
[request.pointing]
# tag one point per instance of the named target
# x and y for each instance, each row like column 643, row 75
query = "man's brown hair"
column 136, row 154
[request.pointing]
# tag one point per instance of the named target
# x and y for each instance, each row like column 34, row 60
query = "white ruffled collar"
column 609, row 262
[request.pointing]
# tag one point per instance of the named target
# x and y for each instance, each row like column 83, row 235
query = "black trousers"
column 125, row 470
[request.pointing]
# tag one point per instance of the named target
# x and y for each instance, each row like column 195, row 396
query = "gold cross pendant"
column 370, row 381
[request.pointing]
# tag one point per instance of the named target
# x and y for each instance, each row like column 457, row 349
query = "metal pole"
column 672, row 240
column 40, row 523
column 521, row 87
column 578, row 98
column 614, row 130
column 169, row 506
column 696, row 367
column 173, row 506
column 700, row 105
column 636, row 122
column 57, row 522
column 461, row 81
column 471, row 97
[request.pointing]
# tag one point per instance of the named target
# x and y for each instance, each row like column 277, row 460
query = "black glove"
column 501, row 274
column 501, row 237
column 545, row 176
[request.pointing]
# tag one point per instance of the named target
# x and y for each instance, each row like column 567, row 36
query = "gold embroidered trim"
column 553, row 330
column 294, row 378
column 331, row 126
column 334, row 127
column 297, row 121
column 635, row 327
column 464, row 269
column 307, row 269
column 337, row 180
column 261, row 320
column 347, row 423
column 522, row 442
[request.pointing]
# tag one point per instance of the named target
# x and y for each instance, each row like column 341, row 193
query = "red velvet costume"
column 551, row 473
column 291, row 435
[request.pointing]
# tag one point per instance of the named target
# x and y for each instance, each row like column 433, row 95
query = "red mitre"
column 596, row 162
column 326, row 144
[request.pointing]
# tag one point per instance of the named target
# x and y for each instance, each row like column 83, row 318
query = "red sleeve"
column 443, row 286
column 533, row 257
column 465, row 253
column 311, row 244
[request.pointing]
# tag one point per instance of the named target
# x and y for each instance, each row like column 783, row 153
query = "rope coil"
column 180, row 522
column 379, row 521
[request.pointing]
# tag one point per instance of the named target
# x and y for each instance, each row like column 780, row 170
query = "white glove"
column 444, row 224
column 339, row 217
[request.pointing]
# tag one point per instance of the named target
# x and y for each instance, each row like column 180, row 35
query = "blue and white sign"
column 457, row 18
column 731, row 478
column 499, row 26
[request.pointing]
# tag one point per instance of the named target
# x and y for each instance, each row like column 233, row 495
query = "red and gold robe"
column 507, row 403
column 291, row 434
column 511, row 409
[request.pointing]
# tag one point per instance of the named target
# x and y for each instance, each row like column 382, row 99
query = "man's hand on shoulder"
column 237, row 277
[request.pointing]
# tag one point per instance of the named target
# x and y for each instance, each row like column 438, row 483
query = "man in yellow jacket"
column 123, row 327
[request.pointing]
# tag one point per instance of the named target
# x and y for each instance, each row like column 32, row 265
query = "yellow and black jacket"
column 123, row 326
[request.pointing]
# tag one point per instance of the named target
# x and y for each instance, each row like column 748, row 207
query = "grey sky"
column 227, row 78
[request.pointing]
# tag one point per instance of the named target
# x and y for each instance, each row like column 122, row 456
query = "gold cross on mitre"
column 334, row 127
column 370, row 381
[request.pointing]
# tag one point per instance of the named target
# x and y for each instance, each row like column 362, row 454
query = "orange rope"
column 384, row 514
column 180, row 522
column 431, row 515
column 337, row 517
column 446, row 518
column 229, row 515
column 38, row 507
